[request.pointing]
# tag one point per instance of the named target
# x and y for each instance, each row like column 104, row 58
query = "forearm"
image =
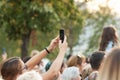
column 55, row 67
column 36, row 59
column 57, row 62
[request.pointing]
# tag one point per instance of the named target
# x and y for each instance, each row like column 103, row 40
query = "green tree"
column 72, row 21
column 20, row 18
column 23, row 18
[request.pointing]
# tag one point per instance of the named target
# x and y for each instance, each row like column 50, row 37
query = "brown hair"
column 11, row 68
column 74, row 61
column 108, row 34
column 111, row 66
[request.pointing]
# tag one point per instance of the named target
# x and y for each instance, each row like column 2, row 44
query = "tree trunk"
column 24, row 45
column 33, row 37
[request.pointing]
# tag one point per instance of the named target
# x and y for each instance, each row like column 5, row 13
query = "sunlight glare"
column 93, row 5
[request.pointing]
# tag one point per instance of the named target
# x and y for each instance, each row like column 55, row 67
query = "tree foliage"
column 20, row 18
column 97, row 20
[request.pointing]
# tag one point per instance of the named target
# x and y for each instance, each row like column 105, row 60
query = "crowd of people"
column 103, row 64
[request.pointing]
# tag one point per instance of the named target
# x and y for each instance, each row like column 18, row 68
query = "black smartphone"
column 61, row 33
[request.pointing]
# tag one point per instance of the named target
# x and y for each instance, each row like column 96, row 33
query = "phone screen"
column 61, row 33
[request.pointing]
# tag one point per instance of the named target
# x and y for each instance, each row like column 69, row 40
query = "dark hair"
column 25, row 59
column 111, row 67
column 96, row 59
column 11, row 68
column 48, row 66
column 108, row 34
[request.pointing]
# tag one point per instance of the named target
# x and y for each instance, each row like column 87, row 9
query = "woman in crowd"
column 71, row 73
column 109, row 38
column 76, row 61
column 111, row 66
column 14, row 67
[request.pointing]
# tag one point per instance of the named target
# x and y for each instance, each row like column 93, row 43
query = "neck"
column 95, row 70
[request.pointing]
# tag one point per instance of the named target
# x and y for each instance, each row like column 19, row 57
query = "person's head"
column 111, row 66
column 86, row 71
column 75, row 61
column 109, row 33
column 11, row 68
column 71, row 73
column 34, row 52
column 30, row 75
column 36, row 67
column 96, row 59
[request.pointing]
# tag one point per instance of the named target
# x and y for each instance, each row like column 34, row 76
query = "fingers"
column 57, row 38
column 65, row 39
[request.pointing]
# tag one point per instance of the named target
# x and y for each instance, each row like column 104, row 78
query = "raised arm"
column 36, row 59
column 56, row 65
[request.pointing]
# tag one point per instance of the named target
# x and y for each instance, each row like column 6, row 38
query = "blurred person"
column 34, row 52
column 111, row 66
column 41, row 64
column 11, row 68
column 96, row 60
column 30, row 75
column 14, row 67
column 64, row 65
column 83, row 59
column 87, row 68
column 75, row 60
column 36, row 67
column 4, row 54
column 109, row 38
column 48, row 66
column 86, row 71
column 71, row 73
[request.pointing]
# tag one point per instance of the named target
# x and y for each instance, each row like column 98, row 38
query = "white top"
column 109, row 46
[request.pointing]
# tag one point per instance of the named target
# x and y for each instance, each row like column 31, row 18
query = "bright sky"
column 113, row 4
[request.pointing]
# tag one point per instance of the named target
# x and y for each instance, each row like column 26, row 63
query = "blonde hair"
column 111, row 66
column 30, row 75
column 74, row 61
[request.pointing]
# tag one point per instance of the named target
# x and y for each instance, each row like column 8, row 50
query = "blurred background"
column 31, row 24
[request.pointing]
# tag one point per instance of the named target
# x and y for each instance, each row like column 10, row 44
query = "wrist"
column 47, row 50
column 50, row 49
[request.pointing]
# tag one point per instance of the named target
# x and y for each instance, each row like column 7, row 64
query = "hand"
column 53, row 44
column 4, row 56
column 63, row 46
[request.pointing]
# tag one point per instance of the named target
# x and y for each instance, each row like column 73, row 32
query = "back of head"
column 34, row 52
column 96, row 59
column 109, row 32
column 74, row 61
column 11, row 68
column 70, row 73
column 31, row 75
column 111, row 66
